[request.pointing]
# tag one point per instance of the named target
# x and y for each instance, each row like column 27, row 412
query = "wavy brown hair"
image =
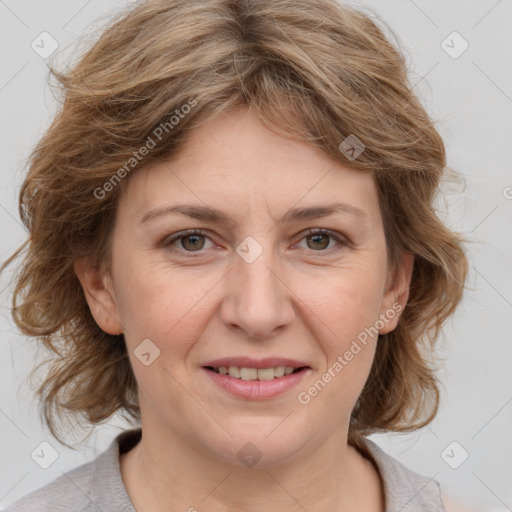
column 314, row 71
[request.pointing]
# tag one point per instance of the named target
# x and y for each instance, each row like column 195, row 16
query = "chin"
column 260, row 444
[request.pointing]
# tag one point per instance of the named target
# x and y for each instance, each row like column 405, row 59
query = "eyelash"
column 342, row 241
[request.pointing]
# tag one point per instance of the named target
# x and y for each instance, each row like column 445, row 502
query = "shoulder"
column 66, row 493
column 405, row 490
column 93, row 487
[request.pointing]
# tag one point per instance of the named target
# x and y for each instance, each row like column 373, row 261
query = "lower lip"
column 257, row 389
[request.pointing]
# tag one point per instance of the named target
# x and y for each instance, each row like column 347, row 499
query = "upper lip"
column 248, row 362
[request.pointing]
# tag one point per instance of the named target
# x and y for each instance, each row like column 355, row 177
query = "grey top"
column 97, row 486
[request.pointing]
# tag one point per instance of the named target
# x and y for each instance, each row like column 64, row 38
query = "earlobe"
column 99, row 294
column 397, row 293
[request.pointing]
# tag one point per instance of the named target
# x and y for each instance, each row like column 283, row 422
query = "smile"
column 256, row 383
column 247, row 373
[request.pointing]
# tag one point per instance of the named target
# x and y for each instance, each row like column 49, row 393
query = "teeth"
column 266, row 373
column 279, row 371
column 245, row 373
column 234, row 371
column 248, row 373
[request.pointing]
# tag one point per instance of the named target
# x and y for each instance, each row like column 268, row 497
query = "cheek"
column 347, row 310
column 161, row 303
column 169, row 309
column 349, row 301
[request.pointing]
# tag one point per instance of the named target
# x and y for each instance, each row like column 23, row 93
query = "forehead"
column 235, row 164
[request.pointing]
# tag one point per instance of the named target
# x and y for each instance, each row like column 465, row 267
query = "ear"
column 100, row 296
column 396, row 293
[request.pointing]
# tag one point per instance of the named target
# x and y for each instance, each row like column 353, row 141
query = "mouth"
column 249, row 373
column 256, row 380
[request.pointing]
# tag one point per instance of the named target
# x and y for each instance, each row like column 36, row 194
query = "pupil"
column 316, row 237
column 195, row 244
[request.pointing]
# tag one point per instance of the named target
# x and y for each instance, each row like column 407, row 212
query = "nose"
column 258, row 300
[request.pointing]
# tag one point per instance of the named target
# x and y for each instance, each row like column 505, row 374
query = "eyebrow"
column 216, row 216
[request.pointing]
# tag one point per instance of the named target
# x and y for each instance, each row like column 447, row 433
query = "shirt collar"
column 404, row 490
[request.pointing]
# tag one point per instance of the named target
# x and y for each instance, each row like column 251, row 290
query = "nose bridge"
column 258, row 301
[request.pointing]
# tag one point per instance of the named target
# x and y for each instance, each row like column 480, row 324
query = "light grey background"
column 470, row 97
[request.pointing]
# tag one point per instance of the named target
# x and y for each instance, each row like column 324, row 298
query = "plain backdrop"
column 459, row 54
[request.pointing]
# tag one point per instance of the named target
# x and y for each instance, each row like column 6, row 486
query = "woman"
column 232, row 241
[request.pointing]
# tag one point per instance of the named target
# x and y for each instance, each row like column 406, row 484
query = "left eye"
column 194, row 240
column 318, row 239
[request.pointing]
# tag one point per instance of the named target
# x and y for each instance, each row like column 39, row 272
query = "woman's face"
column 253, row 290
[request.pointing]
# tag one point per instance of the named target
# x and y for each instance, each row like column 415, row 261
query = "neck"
column 163, row 472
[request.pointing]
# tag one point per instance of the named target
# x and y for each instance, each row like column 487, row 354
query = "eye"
column 192, row 240
column 318, row 239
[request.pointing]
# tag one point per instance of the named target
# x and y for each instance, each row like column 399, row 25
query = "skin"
column 302, row 298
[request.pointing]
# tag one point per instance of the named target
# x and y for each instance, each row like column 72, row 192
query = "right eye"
column 191, row 240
